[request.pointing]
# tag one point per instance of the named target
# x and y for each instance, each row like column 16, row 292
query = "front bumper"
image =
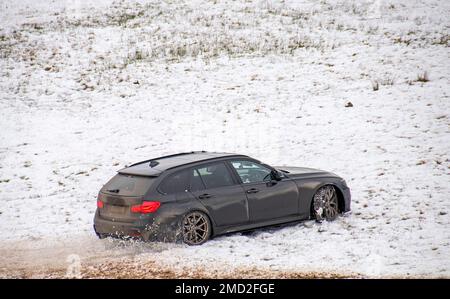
column 347, row 199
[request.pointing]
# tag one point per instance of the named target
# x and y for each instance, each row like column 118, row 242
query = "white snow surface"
column 87, row 87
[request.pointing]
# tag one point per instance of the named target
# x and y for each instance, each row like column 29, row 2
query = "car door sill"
column 254, row 225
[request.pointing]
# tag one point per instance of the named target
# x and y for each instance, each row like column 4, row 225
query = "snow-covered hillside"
column 360, row 88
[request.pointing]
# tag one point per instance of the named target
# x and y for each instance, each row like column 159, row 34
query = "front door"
column 267, row 199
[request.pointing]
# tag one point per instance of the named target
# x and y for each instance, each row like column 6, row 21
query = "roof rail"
column 209, row 159
column 168, row 156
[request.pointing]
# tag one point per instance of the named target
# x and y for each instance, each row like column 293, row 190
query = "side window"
column 196, row 181
column 182, row 181
column 175, row 183
column 215, row 175
column 251, row 172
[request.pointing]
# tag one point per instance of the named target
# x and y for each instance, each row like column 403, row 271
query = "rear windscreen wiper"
column 113, row 190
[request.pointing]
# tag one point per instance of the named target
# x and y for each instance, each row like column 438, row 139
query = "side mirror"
column 276, row 175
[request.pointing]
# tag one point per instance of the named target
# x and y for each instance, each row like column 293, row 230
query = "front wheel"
column 325, row 204
column 196, row 228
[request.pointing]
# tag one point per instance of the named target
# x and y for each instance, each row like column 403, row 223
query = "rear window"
column 128, row 185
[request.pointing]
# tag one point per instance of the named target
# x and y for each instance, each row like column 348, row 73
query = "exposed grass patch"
column 375, row 85
column 444, row 40
column 123, row 18
column 423, row 77
column 387, row 81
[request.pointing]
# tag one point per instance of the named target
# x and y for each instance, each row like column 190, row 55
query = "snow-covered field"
column 87, row 87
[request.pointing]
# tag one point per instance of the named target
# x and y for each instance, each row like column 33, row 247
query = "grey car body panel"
column 226, row 205
column 141, row 169
column 274, row 200
column 298, row 172
column 229, row 208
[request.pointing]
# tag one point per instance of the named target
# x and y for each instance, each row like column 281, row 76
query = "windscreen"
column 128, row 185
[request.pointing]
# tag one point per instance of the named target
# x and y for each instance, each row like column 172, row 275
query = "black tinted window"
column 251, row 172
column 128, row 185
column 196, row 181
column 175, row 183
column 215, row 175
column 182, row 181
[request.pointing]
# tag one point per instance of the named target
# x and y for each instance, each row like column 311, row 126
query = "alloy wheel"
column 196, row 228
column 325, row 203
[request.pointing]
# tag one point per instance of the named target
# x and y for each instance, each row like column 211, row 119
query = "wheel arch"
column 204, row 211
column 340, row 195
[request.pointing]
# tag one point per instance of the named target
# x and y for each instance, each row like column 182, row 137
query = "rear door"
column 267, row 199
column 120, row 193
column 224, row 198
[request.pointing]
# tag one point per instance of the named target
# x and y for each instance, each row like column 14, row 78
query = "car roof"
column 156, row 166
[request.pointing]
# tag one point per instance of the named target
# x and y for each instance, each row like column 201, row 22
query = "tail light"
column 146, row 207
column 99, row 204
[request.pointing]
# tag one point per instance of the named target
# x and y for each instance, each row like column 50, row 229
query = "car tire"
column 325, row 204
column 102, row 236
column 195, row 228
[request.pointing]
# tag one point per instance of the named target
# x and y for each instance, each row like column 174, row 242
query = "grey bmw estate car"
column 191, row 197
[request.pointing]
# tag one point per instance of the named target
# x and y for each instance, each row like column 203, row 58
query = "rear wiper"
column 113, row 190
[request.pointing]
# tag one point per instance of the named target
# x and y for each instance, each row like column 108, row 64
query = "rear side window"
column 128, row 185
column 215, row 176
column 196, row 181
column 182, row 181
column 175, row 183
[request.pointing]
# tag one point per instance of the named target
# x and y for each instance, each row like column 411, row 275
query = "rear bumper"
column 146, row 229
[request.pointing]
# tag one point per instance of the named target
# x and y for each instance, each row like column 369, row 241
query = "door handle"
column 204, row 196
column 252, row 190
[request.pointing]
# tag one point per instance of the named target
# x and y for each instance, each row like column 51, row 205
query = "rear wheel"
column 325, row 204
column 196, row 228
column 102, row 236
